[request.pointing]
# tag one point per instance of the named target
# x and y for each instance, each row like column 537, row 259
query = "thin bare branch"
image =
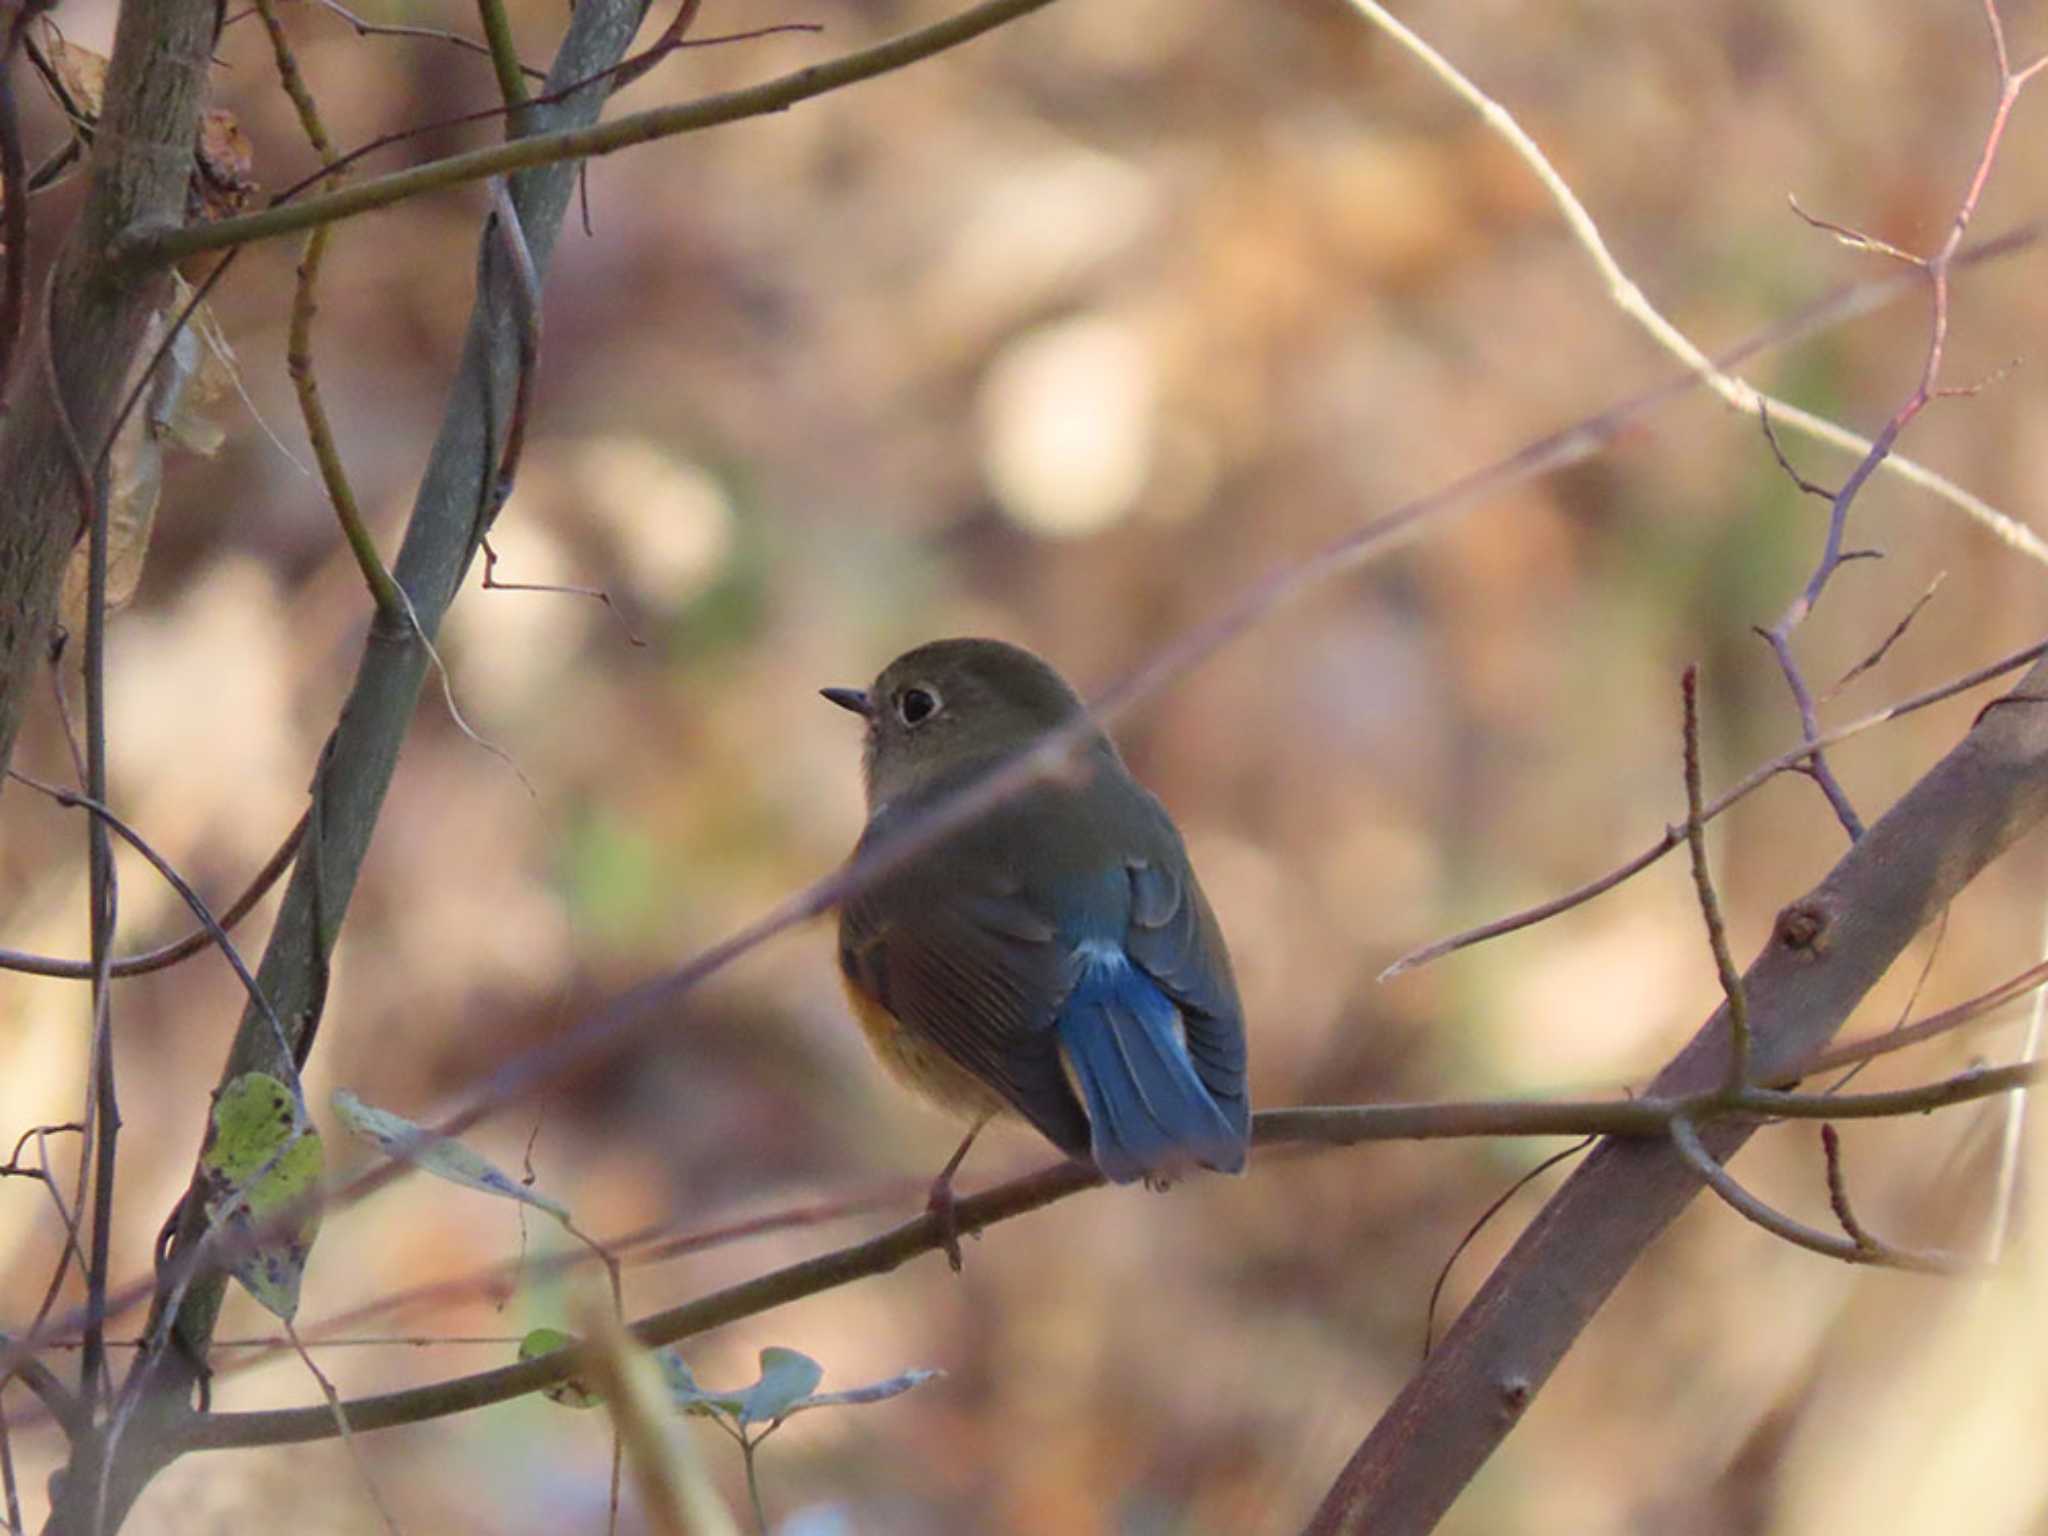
column 1629, row 298
column 215, row 933
column 1703, row 889
column 299, row 343
column 503, row 53
column 1854, row 239
column 364, row 28
column 348, row 1440
column 2012, row 1134
column 161, row 247
column 168, row 954
column 1493, row 1209
column 58, row 1402
column 1884, row 646
column 1776, row 1222
column 1673, row 836
column 491, row 583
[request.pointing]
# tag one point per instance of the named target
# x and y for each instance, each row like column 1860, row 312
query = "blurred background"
column 1067, row 337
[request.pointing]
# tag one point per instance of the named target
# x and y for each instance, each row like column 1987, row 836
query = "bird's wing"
column 1174, row 938
column 979, row 975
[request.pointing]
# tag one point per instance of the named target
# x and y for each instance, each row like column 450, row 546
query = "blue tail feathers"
column 1148, row 1111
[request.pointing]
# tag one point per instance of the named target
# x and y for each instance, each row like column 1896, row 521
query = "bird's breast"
column 917, row 1063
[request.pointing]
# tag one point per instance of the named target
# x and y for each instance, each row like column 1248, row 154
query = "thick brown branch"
column 97, row 316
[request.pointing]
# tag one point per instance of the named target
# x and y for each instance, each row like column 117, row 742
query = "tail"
column 1124, row 1047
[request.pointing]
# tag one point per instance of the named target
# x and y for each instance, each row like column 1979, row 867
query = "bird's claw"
column 946, row 1212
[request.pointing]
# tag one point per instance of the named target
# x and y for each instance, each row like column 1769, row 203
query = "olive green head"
column 949, row 704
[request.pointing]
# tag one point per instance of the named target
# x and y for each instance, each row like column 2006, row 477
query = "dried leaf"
column 196, row 374
column 81, row 77
column 439, row 1155
column 205, row 377
column 226, row 165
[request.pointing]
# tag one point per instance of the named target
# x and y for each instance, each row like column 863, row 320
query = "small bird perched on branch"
column 1054, row 958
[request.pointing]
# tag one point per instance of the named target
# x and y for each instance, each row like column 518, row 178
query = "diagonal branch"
column 1826, row 951
column 356, row 767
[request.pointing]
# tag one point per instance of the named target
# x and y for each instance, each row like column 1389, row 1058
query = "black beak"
column 855, row 699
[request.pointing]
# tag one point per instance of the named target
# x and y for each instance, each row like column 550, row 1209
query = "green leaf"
column 571, row 1392
column 787, row 1377
column 262, row 1157
column 439, row 1155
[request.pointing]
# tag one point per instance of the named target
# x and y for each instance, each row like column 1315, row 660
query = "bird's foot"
column 946, row 1212
column 941, row 1205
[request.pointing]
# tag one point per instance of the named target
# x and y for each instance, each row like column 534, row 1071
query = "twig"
column 299, row 344
column 1833, row 554
column 1629, row 298
column 1492, row 1210
column 504, row 56
column 1854, row 239
column 1703, row 888
column 1912, row 999
column 2005, row 1191
column 216, row 934
column 1838, row 1201
column 74, row 1247
column 1673, row 836
column 145, row 248
column 429, row 34
column 103, row 900
column 168, row 954
column 626, row 71
column 1838, row 1188
column 1283, row 588
column 1903, row 1035
column 71, row 1415
column 348, row 1440
column 1884, row 646
column 447, row 681
column 1800, row 1235
column 492, row 584
column 1962, row 1088
column 1785, row 465
column 1815, row 765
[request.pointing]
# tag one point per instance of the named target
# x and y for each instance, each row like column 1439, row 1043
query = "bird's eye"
column 914, row 706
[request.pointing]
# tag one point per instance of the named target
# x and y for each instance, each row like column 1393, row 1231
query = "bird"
column 1054, row 958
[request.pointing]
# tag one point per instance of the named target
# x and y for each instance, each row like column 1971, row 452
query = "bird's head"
column 949, row 704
